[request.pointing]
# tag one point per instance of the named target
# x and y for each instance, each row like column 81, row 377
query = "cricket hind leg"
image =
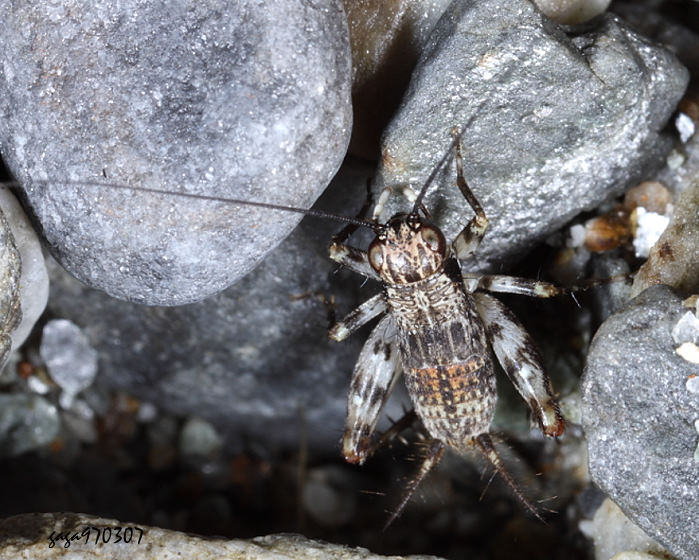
column 485, row 445
column 515, row 351
column 434, row 454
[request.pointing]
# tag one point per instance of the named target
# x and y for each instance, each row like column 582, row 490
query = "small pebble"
column 199, row 437
column 147, row 412
column 674, row 159
column 576, row 236
column 654, row 196
column 686, row 329
column 572, row 11
column 689, row 351
column 649, row 228
column 26, row 422
column 685, row 126
column 70, row 359
column 693, row 384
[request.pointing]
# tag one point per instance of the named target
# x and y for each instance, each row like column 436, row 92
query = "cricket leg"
column 470, row 237
column 434, row 454
column 403, row 423
column 519, row 358
column 485, row 444
column 511, row 285
column 374, row 376
column 358, row 317
column 353, row 258
column 348, row 256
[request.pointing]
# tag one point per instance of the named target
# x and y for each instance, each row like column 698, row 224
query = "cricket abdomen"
column 455, row 402
column 445, row 357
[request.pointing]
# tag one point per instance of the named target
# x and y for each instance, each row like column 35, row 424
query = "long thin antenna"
column 436, row 168
column 269, row 206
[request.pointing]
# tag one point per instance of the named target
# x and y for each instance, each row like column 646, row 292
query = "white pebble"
column 685, row 126
column 70, row 359
column 650, row 227
column 689, row 351
column 693, row 387
column 686, row 329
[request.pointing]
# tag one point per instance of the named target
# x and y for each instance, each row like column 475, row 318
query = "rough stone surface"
column 614, row 534
column 33, row 279
column 674, row 259
column 249, row 101
column 27, row 537
column 10, row 273
column 552, row 124
column 638, row 419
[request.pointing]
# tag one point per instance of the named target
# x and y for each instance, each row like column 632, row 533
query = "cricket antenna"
column 305, row 211
column 457, row 132
column 485, row 444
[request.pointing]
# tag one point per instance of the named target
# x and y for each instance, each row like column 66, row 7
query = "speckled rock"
column 552, row 124
column 10, row 272
column 613, row 534
column 250, row 101
column 674, row 259
column 22, row 255
column 638, row 418
column 29, row 536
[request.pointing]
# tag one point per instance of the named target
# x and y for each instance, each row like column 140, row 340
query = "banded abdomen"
column 445, row 357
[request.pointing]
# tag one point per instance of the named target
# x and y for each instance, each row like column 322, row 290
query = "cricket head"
column 407, row 249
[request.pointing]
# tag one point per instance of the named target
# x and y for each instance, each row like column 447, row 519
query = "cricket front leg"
column 353, row 258
column 374, row 376
column 358, row 317
column 470, row 237
column 519, row 358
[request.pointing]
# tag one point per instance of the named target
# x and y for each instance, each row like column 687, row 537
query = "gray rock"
column 33, row 279
column 552, row 124
column 10, row 273
column 254, row 360
column 638, row 419
column 38, row 536
column 248, row 101
column 674, row 259
column 26, row 422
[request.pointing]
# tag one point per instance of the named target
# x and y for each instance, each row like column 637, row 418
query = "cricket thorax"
column 408, row 249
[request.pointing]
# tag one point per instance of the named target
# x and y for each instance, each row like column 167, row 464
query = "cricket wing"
column 519, row 358
column 374, row 376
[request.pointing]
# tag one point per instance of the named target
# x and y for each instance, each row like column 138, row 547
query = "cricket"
column 438, row 327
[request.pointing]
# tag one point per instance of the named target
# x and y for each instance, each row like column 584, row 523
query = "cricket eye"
column 375, row 256
column 433, row 237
